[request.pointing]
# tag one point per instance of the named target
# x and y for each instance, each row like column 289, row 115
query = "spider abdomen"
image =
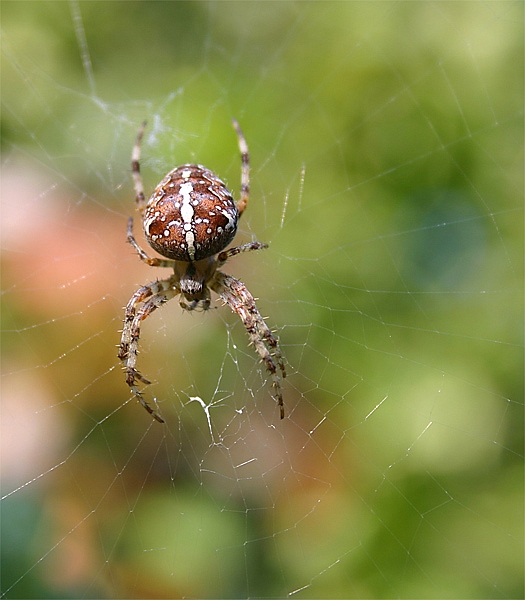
column 191, row 215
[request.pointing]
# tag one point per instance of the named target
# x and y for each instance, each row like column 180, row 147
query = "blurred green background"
column 386, row 143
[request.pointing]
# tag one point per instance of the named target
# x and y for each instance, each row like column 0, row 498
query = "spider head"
column 193, row 277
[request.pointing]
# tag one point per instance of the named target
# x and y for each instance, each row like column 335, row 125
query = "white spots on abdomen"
column 191, row 215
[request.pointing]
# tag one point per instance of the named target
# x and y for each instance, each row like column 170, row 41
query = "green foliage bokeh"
column 386, row 142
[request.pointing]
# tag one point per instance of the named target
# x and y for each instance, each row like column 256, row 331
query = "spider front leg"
column 239, row 299
column 150, row 297
column 135, row 171
column 245, row 169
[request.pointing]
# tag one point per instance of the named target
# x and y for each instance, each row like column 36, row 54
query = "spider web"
column 386, row 145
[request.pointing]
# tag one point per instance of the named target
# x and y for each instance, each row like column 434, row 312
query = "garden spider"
column 189, row 219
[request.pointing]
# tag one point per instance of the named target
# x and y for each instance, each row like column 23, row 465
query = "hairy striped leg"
column 135, row 171
column 239, row 299
column 149, row 297
column 245, row 170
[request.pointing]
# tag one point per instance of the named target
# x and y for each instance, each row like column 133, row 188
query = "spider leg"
column 240, row 300
column 152, row 262
column 226, row 254
column 135, row 171
column 245, row 169
column 150, row 297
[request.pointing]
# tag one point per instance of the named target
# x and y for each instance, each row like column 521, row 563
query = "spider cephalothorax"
column 190, row 218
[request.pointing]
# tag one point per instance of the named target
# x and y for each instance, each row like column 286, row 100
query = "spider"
column 190, row 219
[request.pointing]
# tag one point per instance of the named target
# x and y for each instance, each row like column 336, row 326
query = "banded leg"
column 135, row 171
column 263, row 329
column 245, row 169
column 239, row 299
column 226, row 254
column 150, row 297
